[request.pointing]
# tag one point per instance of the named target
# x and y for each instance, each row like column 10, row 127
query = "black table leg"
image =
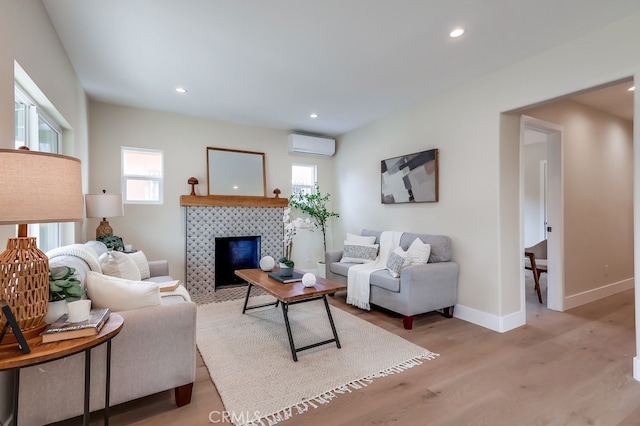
column 16, row 394
column 107, row 390
column 246, row 299
column 87, row 385
column 333, row 327
column 285, row 312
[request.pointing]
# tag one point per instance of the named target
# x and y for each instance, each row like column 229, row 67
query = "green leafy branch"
column 315, row 205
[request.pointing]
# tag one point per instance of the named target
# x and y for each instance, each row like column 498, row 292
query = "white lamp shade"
column 39, row 187
column 104, row 205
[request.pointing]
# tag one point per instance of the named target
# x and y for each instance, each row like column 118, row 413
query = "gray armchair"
column 536, row 262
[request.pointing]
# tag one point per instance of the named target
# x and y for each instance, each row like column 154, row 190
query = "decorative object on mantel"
column 104, row 205
column 308, row 280
column 277, row 192
column 290, row 229
column 267, row 263
column 38, row 187
column 193, row 182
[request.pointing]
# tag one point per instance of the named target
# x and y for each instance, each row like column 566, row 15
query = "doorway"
column 542, row 208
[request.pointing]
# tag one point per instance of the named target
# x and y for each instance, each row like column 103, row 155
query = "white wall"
column 159, row 230
column 479, row 167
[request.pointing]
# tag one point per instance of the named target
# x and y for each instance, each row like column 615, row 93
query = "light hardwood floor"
column 571, row 368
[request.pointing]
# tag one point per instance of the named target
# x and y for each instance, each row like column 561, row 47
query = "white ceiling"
column 272, row 63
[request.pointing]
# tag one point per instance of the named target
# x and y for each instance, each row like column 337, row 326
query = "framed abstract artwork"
column 411, row 178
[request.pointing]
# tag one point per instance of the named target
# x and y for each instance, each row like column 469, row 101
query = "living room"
column 471, row 124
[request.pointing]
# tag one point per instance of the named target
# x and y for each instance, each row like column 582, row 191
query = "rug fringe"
column 325, row 398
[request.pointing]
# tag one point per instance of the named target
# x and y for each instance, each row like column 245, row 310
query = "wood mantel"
column 232, row 200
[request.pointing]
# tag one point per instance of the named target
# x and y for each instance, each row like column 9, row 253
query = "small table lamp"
column 104, row 205
column 36, row 187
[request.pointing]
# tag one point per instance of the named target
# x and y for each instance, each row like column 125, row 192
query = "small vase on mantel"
column 285, row 271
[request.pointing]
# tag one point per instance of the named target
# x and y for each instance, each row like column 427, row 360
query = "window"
column 303, row 178
column 142, row 175
column 35, row 130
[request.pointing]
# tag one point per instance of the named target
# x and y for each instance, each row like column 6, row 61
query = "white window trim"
column 124, row 178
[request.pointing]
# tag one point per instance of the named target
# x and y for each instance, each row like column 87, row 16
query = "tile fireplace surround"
column 205, row 223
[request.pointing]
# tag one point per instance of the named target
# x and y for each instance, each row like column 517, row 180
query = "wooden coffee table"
column 289, row 294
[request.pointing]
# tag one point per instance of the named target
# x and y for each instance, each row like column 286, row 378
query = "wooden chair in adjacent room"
column 536, row 262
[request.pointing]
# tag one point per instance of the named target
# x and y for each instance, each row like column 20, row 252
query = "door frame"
column 555, row 238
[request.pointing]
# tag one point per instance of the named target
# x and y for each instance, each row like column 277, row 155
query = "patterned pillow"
column 359, row 253
column 397, row 261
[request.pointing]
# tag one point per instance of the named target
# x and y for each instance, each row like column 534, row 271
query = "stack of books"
column 62, row 329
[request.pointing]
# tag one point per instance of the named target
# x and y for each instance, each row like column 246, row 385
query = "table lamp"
column 104, row 205
column 35, row 187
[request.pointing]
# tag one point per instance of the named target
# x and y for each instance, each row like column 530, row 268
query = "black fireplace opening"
column 235, row 253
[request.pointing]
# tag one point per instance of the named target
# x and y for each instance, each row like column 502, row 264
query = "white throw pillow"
column 120, row 265
column 142, row 263
column 397, row 260
column 119, row 294
column 359, row 253
column 418, row 252
column 359, row 239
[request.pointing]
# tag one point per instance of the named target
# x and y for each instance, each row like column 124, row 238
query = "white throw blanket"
column 179, row 291
column 78, row 250
column 358, row 289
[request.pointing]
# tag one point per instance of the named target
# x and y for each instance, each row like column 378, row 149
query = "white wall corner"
column 501, row 324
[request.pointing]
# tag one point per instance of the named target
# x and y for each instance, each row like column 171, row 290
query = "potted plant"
column 315, row 205
column 63, row 287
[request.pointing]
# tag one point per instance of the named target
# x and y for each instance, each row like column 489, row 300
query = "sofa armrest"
column 332, row 256
column 436, row 283
column 154, row 352
column 159, row 268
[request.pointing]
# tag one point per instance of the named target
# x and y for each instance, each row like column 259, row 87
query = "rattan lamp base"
column 24, row 283
column 104, row 229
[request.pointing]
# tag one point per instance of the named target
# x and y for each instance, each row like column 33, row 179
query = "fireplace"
column 205, row 224
column 233, row 253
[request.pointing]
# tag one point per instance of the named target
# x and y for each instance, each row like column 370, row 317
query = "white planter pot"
column 322, row 270
column 55, row 310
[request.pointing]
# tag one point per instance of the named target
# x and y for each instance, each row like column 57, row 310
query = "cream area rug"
column 249, row 358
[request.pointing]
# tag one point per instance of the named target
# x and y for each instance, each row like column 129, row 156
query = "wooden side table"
column 11, row 358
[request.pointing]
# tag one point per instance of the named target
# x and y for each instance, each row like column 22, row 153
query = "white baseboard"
column 490, row 321
column 597, row 293
column 636, row 368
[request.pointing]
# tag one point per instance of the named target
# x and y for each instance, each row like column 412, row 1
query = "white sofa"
column 419, row 289
column 154, row 352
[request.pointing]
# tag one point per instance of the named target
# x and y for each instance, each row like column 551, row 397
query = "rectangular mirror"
column 235, row 172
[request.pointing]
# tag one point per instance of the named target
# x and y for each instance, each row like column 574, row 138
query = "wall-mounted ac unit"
column 302, row 144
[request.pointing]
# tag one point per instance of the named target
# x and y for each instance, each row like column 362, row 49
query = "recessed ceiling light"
column 181, row 90
column 314, row 115
column 456, row 32
column 632, row 88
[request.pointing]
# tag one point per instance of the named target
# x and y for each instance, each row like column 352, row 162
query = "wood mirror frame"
column 236, row 172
